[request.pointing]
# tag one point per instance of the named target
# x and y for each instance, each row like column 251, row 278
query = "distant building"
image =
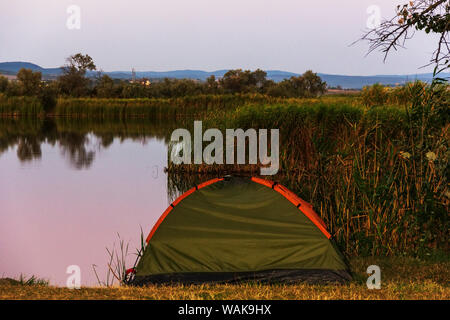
column 133, row 76
column 144, row 81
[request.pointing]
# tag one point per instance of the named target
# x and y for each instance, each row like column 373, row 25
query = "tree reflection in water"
column 78, row 140
column 74, row 147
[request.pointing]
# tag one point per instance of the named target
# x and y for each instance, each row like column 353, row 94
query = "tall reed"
column 377, row 176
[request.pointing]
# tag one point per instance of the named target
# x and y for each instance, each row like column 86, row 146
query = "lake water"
column 68, row 189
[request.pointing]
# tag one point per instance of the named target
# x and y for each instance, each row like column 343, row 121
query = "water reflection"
column 28, row 148
column 74, row 138
column 114, row 184
column 73, row 146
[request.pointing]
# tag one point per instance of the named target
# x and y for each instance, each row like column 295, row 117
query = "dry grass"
column 402, row 278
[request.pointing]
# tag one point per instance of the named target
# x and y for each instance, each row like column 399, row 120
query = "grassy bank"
column 402, row 278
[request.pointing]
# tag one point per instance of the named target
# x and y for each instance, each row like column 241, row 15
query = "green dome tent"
column 236, row 229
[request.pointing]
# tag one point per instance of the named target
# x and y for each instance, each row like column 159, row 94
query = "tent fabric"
column 238, row 229
column 304, row 206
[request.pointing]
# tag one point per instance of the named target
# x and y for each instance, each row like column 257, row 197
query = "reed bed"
column 161, row 108
column 23, row 106
column 152, row 108
column 377, row 176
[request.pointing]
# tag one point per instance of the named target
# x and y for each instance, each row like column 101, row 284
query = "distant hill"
column 357, row 82
column 14, row 67
column 345, row 81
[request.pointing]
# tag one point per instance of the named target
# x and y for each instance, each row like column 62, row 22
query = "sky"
column 162, row 35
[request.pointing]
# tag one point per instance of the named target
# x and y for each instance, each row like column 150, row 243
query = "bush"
column 404, row 94
column 47, row 97
column 374, row 95
column 13, row 89
column 3, row 83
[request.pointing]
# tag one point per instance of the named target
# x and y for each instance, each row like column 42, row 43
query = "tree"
column 13, row 89
column 297, row 87
column 81, row 63
column 47, row 97
column 30, row 81
column 3, row 83
column 243, row 81
column 73, row 81
column 211, row 84
column 258, row 78
column 307, row 85
column 313, row 84
column 105, row 87
column 233, row 81
column 431, row 16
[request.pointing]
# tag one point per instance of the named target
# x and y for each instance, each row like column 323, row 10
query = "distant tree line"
column 73, row 82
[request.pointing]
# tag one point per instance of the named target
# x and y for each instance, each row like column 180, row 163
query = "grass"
column 24, row 281
column 401, row 278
